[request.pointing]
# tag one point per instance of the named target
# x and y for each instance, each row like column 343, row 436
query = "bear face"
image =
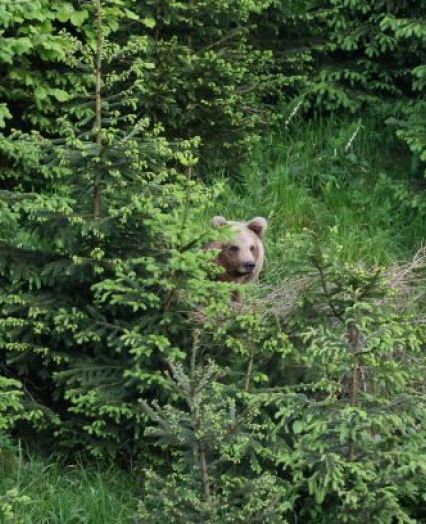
column 243, row 254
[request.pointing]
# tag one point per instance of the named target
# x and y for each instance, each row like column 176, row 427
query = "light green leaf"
column 40, row 93
column 131, row 15
column 78, row 17
column 298, row 426
column 148, row 21
column 60, row 95
column 4, row 113
column 64, row 12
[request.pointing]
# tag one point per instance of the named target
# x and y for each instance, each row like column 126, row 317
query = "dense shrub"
column 207, row 78
column 353, row 416
column 222, row 467
column 34, row 51
column 373, row 53
column 205, row 73
column 370, row 50
column 324, row 412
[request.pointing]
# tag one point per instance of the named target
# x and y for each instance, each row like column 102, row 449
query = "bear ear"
column 258, row 225
column 219, row 221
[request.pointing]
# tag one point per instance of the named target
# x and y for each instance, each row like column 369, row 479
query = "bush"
column 202, row 71
column 219, row 452
column 373, row 54
column 352, row 408
column 11, row 410
column 323, row 412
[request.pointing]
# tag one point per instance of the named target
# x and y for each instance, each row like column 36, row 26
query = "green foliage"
column 218, row 452
column 34, row 49
column 373, row 48
column 9, row 502
column 11, row 496
column 10, row 402
column 11, row 410
column 325, row 414
column 202, row 73
column 354, row 412
column 306, row 403
column 374, row 53
column 412, row 130
column 100, row 273
column 47, row 491
column 210, row 77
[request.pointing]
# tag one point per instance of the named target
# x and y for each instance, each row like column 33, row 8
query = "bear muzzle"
column 246, row 268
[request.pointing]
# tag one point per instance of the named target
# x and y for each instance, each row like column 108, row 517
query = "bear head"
column 242, row 254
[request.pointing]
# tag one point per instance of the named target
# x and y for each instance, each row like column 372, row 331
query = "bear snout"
column 249, row 266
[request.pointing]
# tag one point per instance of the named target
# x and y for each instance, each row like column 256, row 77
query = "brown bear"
column 242, row 255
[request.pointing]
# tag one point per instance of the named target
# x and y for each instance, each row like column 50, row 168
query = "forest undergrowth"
column 349, row 183
column 346, row 179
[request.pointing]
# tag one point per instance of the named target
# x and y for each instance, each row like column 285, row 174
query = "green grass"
column 347, row 181
column 69, row 494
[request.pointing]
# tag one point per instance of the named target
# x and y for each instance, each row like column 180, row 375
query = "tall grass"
column 69, row 494
column 349, row 180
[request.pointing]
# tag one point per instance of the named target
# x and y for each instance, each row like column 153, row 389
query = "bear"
column 242, row 255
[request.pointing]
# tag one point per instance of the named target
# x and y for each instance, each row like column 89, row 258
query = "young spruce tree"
column 221, row 450
column 353, row 408
column 102, row 267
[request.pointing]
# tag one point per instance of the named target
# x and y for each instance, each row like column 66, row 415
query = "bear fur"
column 242, row 255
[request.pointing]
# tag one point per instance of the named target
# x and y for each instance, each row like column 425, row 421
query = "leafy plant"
column 373, row 54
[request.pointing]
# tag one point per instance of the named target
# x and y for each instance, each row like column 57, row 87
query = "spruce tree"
column 372, row 55
column 215, row 73
column 221, row 451
column 102, row 266
column 352, row 412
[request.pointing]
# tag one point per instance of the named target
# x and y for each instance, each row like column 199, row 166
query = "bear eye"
column 234, row 249
column 252, row 249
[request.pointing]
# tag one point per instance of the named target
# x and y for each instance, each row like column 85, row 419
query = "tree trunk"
column 354, row 337
column 98, row 103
